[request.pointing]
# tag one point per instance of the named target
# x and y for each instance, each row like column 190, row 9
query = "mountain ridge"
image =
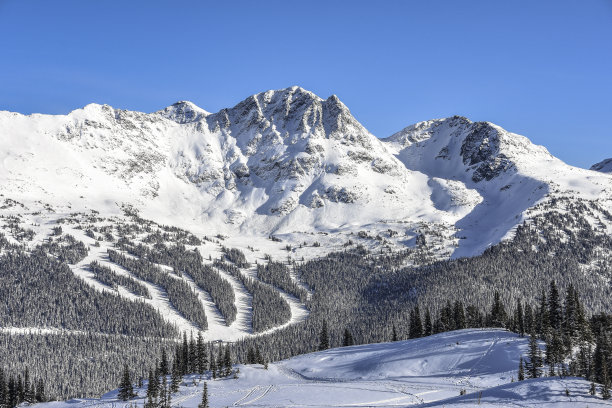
column 289, row 163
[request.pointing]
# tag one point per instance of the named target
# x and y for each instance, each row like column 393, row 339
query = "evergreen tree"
column 521, row 371
column 12, row 397
column 193, row 355
column 163, row 394
column 184, row 367
column 542, row 323
column 40, row 391
column 520, row 319
column 324, row 337
column 459, row 315
column 19, row 391
column 605, row 383
column 535, row 361
column 3, row 389
column 428, row 329
column 227, row 361
column 347, row 339
column 28, row 395
column 213, row 364
column 394, row 334
column 204, row 403
column 554, row 307
column 202, row 354
column 164, row 367
column 416, row 326
column 151, row 389
column 498, row 314
column 529, row 324
column 126, row 390
column 258, row 356
column 176, row 378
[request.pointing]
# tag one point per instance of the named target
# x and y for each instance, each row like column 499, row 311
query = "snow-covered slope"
column 430, row 371
column 290, row 164
column 604, row 166
column 499, row 174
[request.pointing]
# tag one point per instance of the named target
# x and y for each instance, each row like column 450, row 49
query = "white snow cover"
column 428, row 372
column 290, row 164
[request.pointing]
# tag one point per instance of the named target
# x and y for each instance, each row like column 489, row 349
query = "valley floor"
column 423, row 372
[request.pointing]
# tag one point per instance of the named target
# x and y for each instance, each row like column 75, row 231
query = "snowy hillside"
column 604, row 166
column 289, row 164
column 430, row 371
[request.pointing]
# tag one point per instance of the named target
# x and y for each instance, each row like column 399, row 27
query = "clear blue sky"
column 539, row 68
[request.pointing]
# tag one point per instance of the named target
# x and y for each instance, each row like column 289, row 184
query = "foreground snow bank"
column 424, row 372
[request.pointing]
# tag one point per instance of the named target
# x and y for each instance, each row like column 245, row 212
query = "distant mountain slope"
column 604, row 166
column 291, row 164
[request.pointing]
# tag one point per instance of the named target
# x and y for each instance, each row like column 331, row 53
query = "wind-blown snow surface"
column 425, row 372
column 290, row 164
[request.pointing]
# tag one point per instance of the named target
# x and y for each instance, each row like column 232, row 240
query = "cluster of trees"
column 270, row 309
column 66, row 248
column 180, row 294
column 106, row 276
column 574, row 345
column 17, row 389
column 278, row 274
column 37, row 290
column 235, row 256
column 191, row 263
column 192, row 356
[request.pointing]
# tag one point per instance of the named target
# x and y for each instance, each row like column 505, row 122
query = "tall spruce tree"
column 347, row 339
column 428, row 327
column 324, row 337
column 126, row 390
column 535, row 360
column 204, row 403
column 554, row 307
column 521, row 370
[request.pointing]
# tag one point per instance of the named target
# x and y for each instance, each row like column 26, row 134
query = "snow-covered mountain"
column 604, row 166
column 290, row 164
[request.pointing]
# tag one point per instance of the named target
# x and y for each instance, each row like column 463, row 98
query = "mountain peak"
column 183, row 112
column 604, row 166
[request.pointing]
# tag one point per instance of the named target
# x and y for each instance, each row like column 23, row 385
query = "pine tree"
column 227, row 361
column 193, row 355
column 459, row 315
column 543, row 323
column 347, row 339
column 164, row 368
column 151, row 389
column 554, row 307
column 12, row 397
column 605, row 383
column 213, row 364
column 163, row 393
column 184, row 367
column 394, row 334
column 535, row 360
column 202, row 354
column 324, row 337
column 28, row 396
column 520, row 319
column 498, row 312
column 176, row 378
column 126, row 390
column 416, row 325
column 40, row 391
column 3, row 389
column 19, row 390
column 521, row 371
column 428, row 329
column 251, row 356
column 204, row 403
column 258, row 356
